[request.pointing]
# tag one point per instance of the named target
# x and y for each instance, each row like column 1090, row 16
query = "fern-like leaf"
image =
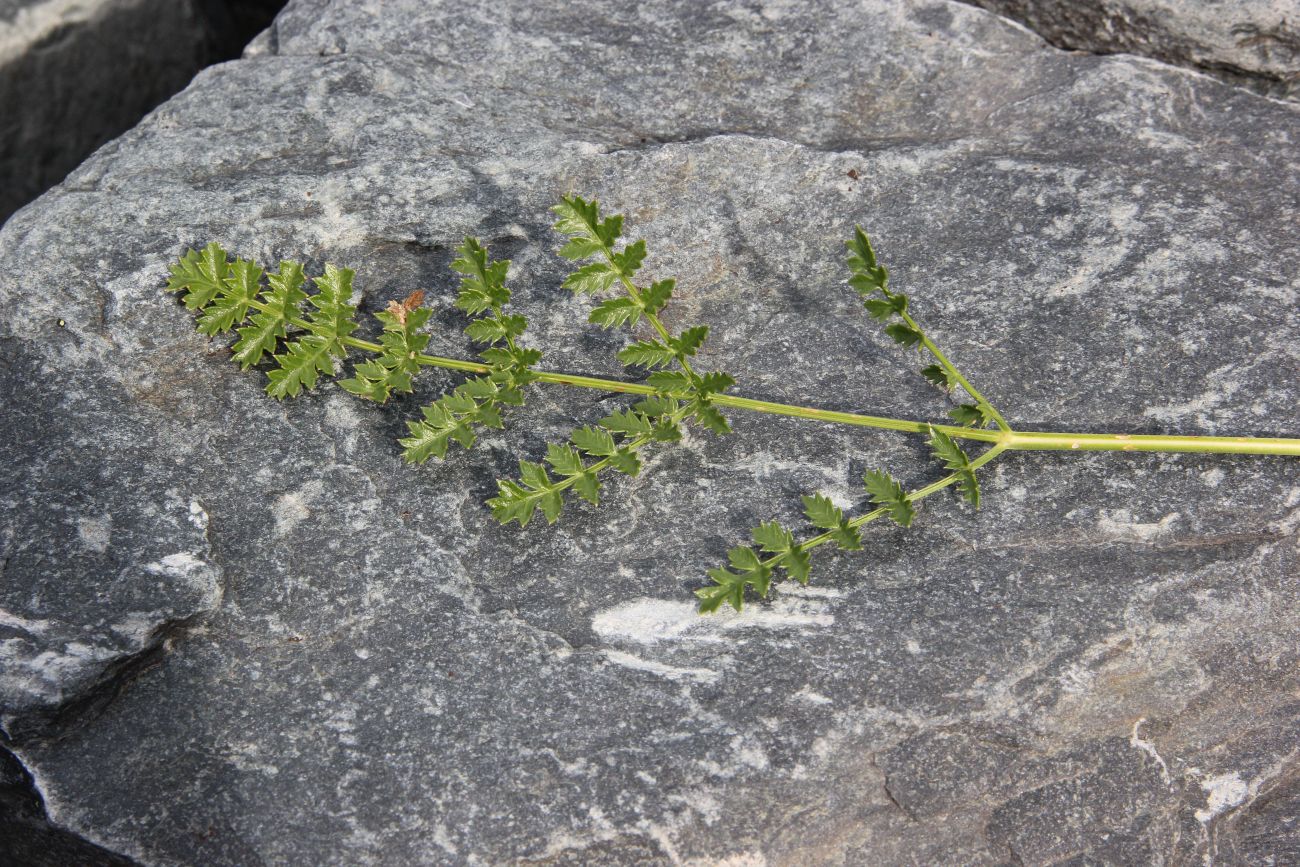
column 825, row 515
column 451, row 418
column 869, row 276
column 200, row 275
column 729, row 586
column 300, row 365
column 229, row 307
column 281, row 303
column 393, row 368
column 940, row 376
column 972, row 415
column 887, row 492
column 482, row 286
column 952, row 457
column 334, row 313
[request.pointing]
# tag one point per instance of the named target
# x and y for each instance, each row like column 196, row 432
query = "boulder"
column 76, row 73
column 347, row 661
column 1255, row 43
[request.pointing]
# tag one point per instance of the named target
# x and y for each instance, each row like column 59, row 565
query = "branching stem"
column 956, row 374
column 1004, row 437
column 914, row 496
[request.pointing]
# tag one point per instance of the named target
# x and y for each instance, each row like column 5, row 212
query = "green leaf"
column 883, row 308
column 230, row 306
column 666, row 431
column 657, row 405
column 373, row 381
column 971, row 414
column 825, row 515
column 861, row 254
column 426, row 441
column 723, row 590
column 952, row 457
column 626, row 461
column 940, row 376
column 479, row 387
column 798, row 563
column 581, row 248
column 333, row 317
column 609, row 229
column 744, row 558
column 398, row 361
column 201, row 275
column 903, row 334
column 690, row 340
column 451, row 417
column 822, row 513
column 580, row 219
column 714, row 383
column 534, row 475
column 868, row 275
column 517, row 501
column 628, row 423
column 552, row 504
column 483, row 284
column 729, row 587
column 299, row 366
column 593, row 278
column 628, row 262
column 588, row 487
column 773, row 538
column 564, row 460
column 647, row 353
column 615, row 312
column 669, row 381
column 887, row 492
column 493, row 329
column 268, row 326
column 594, row 441
column 656, row 296
column 708, row 416
column 847, row 538
column 512, row 503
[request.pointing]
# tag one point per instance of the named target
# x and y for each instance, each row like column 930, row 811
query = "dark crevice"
column 89, row 80
column 91, row 701
column 1104, row 31
column 28, row 837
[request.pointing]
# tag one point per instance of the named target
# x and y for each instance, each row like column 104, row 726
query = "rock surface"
column 76, row 73
column 359, row 668
column 1251, row 42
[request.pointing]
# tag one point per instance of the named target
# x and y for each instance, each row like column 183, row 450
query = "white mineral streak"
column 1221, row 793
column 1138, row 743
column 671, row 672
column 1119, row 524
column 650, row 621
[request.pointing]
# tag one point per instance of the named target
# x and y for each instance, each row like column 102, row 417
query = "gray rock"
column 1255, row 43
column 1099, row 665
column 76, row 73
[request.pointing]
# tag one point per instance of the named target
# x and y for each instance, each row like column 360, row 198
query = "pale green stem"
column 653, row 318
column 1011, row 440
column 631, row 445
column 913, row 496
column 957, row 374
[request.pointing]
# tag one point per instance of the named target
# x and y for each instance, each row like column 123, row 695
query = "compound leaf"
column 887, row 492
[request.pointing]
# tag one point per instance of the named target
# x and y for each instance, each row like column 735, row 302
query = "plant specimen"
column 308, row 335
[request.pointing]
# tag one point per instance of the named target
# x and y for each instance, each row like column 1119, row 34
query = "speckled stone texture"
column 356, row 666
column 1255, row 43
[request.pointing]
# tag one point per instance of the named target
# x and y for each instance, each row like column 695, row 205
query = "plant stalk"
column 1009, row 439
